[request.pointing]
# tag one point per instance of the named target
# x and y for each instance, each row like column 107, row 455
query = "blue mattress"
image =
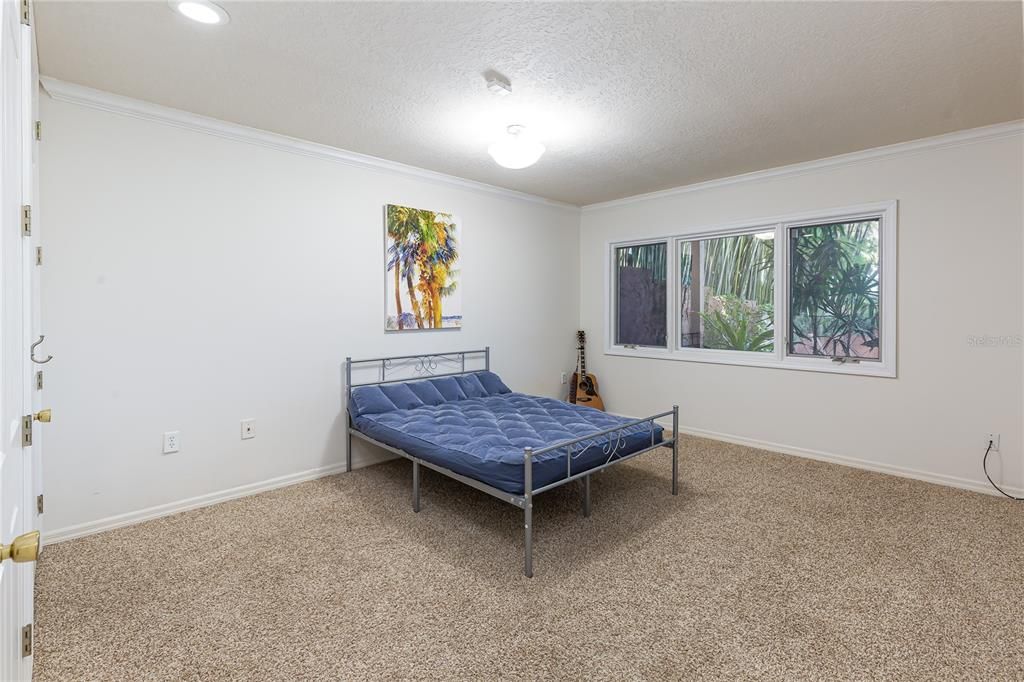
column 475, row 426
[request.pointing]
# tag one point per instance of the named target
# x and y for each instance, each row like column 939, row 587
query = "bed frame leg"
column 348, row 450
column 675, row 449
column 586, row 496
column 348, row 418
column 416, row 487
column 528, row 510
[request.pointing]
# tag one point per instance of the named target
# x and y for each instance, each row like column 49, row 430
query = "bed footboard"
column 613, row 443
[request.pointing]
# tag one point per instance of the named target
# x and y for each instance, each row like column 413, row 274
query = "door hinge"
column 39, row 380
column 26, row 431
column 26, row 221
column 39, row 255
column 24, row 12
column 39, row 130
column 26, row 640
column 39, row 504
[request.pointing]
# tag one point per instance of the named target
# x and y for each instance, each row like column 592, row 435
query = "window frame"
column 714, row 354
column 611, row 287
column 886, row 212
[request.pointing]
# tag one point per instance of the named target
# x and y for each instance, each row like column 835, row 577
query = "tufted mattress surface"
column 484, row 437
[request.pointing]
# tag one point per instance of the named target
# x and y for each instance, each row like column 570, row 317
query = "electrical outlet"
column 248, row 429
column 565, row 380
column 172, row 441
column 994, row 439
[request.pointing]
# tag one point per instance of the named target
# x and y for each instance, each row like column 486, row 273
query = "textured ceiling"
column 628, row 97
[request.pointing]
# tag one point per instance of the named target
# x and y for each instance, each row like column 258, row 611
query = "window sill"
column 743, row 359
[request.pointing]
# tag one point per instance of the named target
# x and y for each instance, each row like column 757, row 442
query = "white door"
column 18, row 321
column 32, row 259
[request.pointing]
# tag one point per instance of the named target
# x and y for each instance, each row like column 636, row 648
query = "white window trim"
column 885, row 367
column 610, row 275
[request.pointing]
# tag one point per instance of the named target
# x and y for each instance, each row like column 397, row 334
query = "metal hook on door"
column 32, row 352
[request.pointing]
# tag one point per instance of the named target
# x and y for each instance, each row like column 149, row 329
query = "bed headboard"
column 401, row 368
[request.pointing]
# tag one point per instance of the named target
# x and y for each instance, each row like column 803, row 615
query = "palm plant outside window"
column 833, row 290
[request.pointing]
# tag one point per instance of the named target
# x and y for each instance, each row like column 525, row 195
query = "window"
column 810, row 292
column 641, row 285
column 833, row 290
column 727, row 293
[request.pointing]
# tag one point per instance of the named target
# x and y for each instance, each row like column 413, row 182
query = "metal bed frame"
column 427, row 366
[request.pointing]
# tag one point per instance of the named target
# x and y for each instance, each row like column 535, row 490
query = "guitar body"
column 586, row 391
column 583, row 389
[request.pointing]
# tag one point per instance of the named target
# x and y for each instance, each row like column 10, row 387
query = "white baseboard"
column 131, row 518
column 980, row 486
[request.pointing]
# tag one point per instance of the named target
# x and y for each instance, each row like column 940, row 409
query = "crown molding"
column 128, row 106
column 960, row 137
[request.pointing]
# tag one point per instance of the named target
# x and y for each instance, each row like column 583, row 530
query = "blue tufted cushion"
column 492, row 383
column 402, row 396
column 471, row 386
column 449, row 388
column 369, row 400
column 426, row 392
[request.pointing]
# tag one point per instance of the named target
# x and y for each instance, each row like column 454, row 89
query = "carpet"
column 766, row 566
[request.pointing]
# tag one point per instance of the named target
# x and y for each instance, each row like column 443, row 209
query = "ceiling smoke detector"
column 498, row 84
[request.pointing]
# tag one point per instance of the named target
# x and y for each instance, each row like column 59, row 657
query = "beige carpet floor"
column 765, row 567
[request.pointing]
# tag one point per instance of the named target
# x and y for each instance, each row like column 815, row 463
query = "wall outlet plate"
column 994, row 439
column 565, row 380
column 172, row 441
column 248, row 429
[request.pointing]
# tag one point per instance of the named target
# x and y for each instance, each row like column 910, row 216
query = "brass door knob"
column 44, row 415
column 24, row 548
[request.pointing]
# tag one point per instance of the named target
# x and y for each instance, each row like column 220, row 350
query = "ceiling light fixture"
column 516, row 149
column 203, row 11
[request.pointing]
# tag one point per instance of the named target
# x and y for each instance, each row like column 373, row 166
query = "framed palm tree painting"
column 421, row 256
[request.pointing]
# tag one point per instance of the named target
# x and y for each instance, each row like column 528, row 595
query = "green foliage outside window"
column 834, row 290
column 731, row 323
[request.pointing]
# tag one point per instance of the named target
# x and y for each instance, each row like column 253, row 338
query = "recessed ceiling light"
column 516, row 149
column 203, row 11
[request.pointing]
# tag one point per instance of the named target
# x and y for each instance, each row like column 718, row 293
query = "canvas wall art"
column 421, row 256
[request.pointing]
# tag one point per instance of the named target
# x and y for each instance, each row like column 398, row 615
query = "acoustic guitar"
column 583, row 389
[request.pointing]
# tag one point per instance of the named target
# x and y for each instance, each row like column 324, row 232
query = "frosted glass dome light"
column 516, row 149
column 203, row 11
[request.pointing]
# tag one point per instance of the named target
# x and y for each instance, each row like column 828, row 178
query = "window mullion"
column 780, row 298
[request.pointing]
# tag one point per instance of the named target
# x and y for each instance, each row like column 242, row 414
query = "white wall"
column 192, row 281
column 960, row 264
